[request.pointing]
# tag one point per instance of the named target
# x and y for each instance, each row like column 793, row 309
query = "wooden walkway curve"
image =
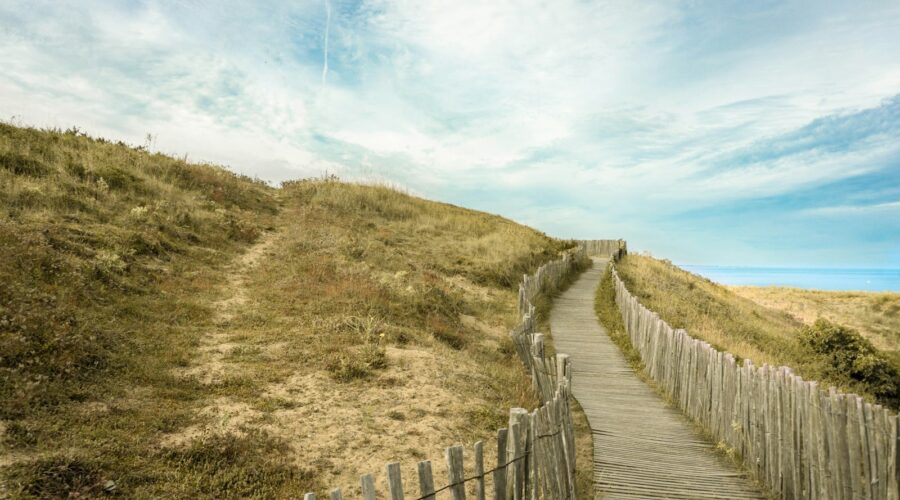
column 642, row 447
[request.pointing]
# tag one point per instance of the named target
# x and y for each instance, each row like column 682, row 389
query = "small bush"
column 118, row 178
column 446, row 332
column 850, row 356
column 59, row 477
column 240, row 466
column 355, row 362
column 241, row 230
column 23, row 165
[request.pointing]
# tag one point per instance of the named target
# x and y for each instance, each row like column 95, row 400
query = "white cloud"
column 632, row 110
column 845, row 210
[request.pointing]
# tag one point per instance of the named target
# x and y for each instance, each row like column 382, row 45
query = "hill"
column 171, row 329
column 819, row 350
column 876, row 315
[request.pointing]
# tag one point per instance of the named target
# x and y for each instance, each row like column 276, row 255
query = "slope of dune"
column 173, row 329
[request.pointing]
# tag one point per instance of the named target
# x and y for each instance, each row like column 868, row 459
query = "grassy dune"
column 876, row 315
column 832, row 354
column 173, row 330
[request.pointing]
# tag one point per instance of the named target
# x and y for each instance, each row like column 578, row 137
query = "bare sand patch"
column 345, row 430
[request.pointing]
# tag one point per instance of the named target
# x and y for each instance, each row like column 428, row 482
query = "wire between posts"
column 485, row 473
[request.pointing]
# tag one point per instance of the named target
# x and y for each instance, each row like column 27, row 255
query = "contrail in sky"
column 327, row 27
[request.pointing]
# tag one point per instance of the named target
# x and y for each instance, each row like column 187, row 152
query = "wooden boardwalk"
column 642, row 447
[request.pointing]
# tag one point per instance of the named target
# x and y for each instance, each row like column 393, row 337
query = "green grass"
column 611, row 318
column 748, row 330
column 142, row 357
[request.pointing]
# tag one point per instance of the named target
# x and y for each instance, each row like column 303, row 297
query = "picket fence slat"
column 368, row 486
column 395, row 483
column 426, row 480
column 455, row 472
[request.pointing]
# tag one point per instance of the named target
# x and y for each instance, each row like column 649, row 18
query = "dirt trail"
column 210, row 365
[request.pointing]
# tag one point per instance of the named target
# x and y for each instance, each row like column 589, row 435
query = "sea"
column 870, row 280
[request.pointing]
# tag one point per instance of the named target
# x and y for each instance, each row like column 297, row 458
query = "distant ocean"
column 873, row 280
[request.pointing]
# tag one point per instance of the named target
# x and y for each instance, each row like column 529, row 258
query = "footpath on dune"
column 642, row 447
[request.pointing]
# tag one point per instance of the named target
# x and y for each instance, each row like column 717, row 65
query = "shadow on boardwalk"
column 642, row 447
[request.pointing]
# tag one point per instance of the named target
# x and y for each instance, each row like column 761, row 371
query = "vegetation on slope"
column 611, row 318
column 170, row 329
column 829, row 353
column 875, row 315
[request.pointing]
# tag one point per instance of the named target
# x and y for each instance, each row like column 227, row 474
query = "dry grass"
column 174, row 330
column 876, row 315
column 738, row 325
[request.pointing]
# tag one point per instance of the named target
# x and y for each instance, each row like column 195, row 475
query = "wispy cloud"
column 892, row 207
column 582, row 118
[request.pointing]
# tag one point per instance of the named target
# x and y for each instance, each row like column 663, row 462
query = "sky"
column 706, row 132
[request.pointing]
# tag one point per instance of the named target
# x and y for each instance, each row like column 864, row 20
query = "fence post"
column 368, row 486
column 894, row 456
column 455, row 472
column 531, row 482
column 426, row 481
column 395, row 482
column 500, row 470
column 479, row 470
column 518, row 426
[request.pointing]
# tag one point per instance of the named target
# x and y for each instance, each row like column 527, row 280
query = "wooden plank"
column 368, row 486
column 336, row 494
column 871, row 446
column 479, row 470
column 530, row 467
column 831, row 459
column 455, row 472
column 880, row 430
column 395, row 482
column 309, row 496
column 852, row 430
column 518, row 425
column 426, row 481
column 893, row 458
column 865, row 470
column 554, row 462
column 500, row 472
column 843, row 445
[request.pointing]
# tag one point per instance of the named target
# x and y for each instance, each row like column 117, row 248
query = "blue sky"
column 754, row 133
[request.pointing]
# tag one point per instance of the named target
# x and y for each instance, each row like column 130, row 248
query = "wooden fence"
column 802, row 441
column 604, row 248
column 536, row 453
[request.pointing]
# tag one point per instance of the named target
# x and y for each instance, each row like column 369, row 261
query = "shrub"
column 60, row 477
column 446, row 332
column 23, row 165
column 253, row 464
column 355, row 362
column 850, row 356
